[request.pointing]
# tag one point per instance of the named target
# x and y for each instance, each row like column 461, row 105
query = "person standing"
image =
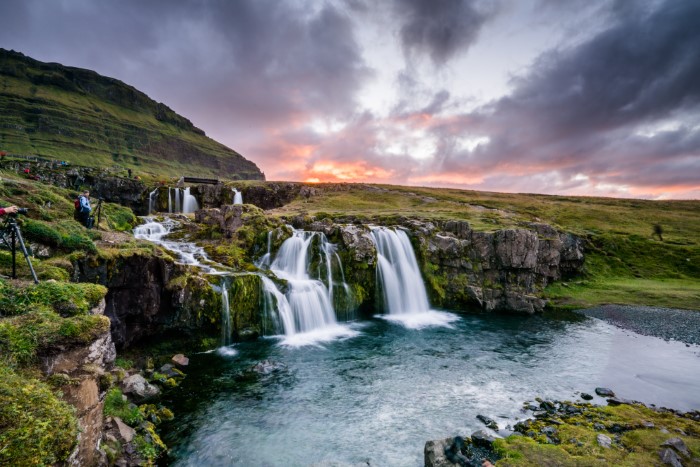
column 85, row 209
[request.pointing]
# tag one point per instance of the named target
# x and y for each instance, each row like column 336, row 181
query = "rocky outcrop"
column 78, row 371
column 505, row 270
column 501, row 270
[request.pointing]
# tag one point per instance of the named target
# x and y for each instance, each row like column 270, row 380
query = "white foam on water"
column 423, row 319
column 318, row 336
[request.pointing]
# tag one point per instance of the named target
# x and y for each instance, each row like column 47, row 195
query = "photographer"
column 9, row 210
column 84, row 209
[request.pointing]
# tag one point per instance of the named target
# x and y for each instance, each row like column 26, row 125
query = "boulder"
column 180, row 360
column 603, row 441
column 137, row 386
column 669, row 457
column 604, row 392
column 482, row 439
column 125, row 431
column 488, row 422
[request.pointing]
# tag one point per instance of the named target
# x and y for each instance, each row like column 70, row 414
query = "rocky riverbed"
column 665, row 323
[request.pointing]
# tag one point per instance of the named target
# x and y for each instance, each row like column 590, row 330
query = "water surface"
column 379, row 396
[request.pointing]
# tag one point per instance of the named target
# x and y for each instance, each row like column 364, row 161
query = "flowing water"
column 381, row 395
column 375, row 391
column 306, row 311
column 237, row 197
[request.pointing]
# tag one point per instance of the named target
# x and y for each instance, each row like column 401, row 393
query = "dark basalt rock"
column 488, row 422
column 604, row 392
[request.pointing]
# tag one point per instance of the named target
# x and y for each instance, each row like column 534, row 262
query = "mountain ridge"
column 68, row 113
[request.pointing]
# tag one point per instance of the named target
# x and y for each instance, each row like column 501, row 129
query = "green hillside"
column 65, row 113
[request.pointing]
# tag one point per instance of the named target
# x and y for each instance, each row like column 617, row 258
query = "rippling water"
column 379, row 396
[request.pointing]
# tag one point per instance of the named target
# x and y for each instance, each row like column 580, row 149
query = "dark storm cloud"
column 439, row 28
column 222, row 64
column 584, row 106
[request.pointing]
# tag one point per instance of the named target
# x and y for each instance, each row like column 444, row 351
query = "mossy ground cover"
column 626, row 261
column 637, row 433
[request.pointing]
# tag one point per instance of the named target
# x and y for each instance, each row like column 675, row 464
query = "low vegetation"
column 636, row 434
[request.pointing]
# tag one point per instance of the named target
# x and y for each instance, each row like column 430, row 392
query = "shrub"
column 37, row 427
column 117, row 406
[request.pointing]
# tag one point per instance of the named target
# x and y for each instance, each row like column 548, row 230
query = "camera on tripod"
column 10, row 235
column 23, row 211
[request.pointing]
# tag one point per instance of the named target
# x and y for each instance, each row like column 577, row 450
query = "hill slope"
column 73, row 114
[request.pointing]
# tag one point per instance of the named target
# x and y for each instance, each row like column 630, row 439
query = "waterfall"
column 306, row 310
column 152, row 200
column 189, row 203
column 225, row 316
column 403, row 290
column 237, row 197
column 170, row 200
column 178, row 199
column 226, row 348
column 187, row 252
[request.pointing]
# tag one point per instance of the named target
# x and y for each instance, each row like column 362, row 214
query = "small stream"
column 379, row 396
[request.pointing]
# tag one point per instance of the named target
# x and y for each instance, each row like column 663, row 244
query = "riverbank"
column 665, row 323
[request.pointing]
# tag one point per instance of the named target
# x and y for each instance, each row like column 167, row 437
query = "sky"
column 570, row 97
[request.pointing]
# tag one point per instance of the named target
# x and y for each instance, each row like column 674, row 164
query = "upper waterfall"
column 403, row 289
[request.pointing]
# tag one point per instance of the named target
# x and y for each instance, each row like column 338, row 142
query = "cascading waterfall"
column 403, row 289
column 306, row 311
column 152, row 200
column 187, row 252
column 189, row 202
column 237, row 197
column 225, row 316
column 226, row 348
column 170, row 200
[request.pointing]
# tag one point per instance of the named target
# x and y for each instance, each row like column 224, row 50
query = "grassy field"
column 625, row 261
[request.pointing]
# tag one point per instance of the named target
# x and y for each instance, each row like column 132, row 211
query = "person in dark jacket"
column 85, row 209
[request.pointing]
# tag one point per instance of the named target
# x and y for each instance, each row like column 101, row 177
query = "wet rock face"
column 266, row 196
column 502, row 270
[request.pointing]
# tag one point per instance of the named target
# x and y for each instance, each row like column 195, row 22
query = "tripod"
column 11, row 230
column 97, row 212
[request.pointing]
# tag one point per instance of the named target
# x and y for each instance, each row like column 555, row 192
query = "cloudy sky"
column 548, row 96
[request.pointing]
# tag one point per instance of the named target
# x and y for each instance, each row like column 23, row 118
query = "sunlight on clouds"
column 327, row 126
column 330, row 171
column 470, row 144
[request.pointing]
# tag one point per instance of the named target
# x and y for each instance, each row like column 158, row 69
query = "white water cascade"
column 189, row 202
column 403, row 290
column 152, row 200
column 306, row 311
column 187, row 252
column 237, row 197
column 225, row 316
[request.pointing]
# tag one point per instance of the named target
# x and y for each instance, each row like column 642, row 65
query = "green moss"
column 68, row 299
column 123, row 363
column 643, row 431
column 24, row 337
column 37, row 428
column 116, row 406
